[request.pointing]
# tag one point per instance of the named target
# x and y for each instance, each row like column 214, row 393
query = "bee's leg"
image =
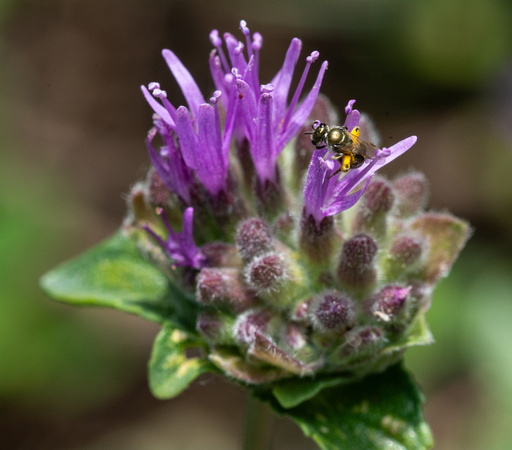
column 335, row 158
column 346, row 161
column 335, row 173
column 320, row 146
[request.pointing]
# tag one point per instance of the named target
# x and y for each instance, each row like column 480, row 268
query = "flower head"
column 286, row 284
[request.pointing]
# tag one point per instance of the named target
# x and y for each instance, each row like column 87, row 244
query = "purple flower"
column 324, row 196
column 268, row 121
column 203, row 148
column 180, row 247
column 260, row 113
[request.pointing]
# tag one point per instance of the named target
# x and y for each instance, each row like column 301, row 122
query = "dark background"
column 72, row 129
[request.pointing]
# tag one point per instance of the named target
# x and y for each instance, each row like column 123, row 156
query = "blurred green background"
column 72, row 126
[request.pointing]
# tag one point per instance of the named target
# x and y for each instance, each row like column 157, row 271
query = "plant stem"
column 259, row 424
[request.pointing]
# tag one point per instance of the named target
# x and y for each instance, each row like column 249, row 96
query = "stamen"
column 215, row 98
column 162, row 95
column 313, row 57
column 382, row 153
column 257, row 41
column 348, row 108
column 239, row 48
column 217, row 43
column 309, row 60
column 158, row 93
column 243, row 27
column 236, row 73
column 266, row 88
column 246, row 32
column 256, row 45
column 215, row 39
column 153, row 85
column 214, row 101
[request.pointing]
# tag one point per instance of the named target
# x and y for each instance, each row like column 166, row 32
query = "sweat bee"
column 345, row 145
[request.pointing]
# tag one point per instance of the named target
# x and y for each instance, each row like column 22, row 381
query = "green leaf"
column 447, row 236
column 170, row 371
column 380, row 411
column 290, row 393
column 113, row 274
column 293, row 392
column 419, row 333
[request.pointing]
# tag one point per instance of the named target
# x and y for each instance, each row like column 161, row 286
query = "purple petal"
column 315, row 186
column 235, row 52
column 283, row 79
column 396, row 150
column 302, row 112
column 187, row 84
column 345, row 202
column 212, row 166
column 263, row 150
column 231, row 116
column 189, row 142
column 157, row 107
column 352, row 119
column 249, row 108
column 352, row 179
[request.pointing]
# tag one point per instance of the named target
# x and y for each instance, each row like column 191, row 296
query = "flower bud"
column 284, row 228
column 404, row 255
column 362, row 342
column 270, row 198
column 373, row 207
column 301, row 310
column 275, row 278
column 267, row 273
column 253, row 239
column 220, row 254
column 224, row 287
column 318, row 241
column 267, row 351
column 158, row 192
column 140, row 210
column 295, row 336
column 411, row 192
column 356, row 270
column 248, row 323
column 215, row 327
column 332, row 312
column 389, row 304
column 363, row 337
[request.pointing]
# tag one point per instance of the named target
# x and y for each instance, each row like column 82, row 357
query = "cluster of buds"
column 294, row 271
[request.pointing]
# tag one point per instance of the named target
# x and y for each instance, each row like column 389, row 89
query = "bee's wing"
column 367, row 149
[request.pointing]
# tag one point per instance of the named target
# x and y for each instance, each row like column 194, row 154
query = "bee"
column 346, row 145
